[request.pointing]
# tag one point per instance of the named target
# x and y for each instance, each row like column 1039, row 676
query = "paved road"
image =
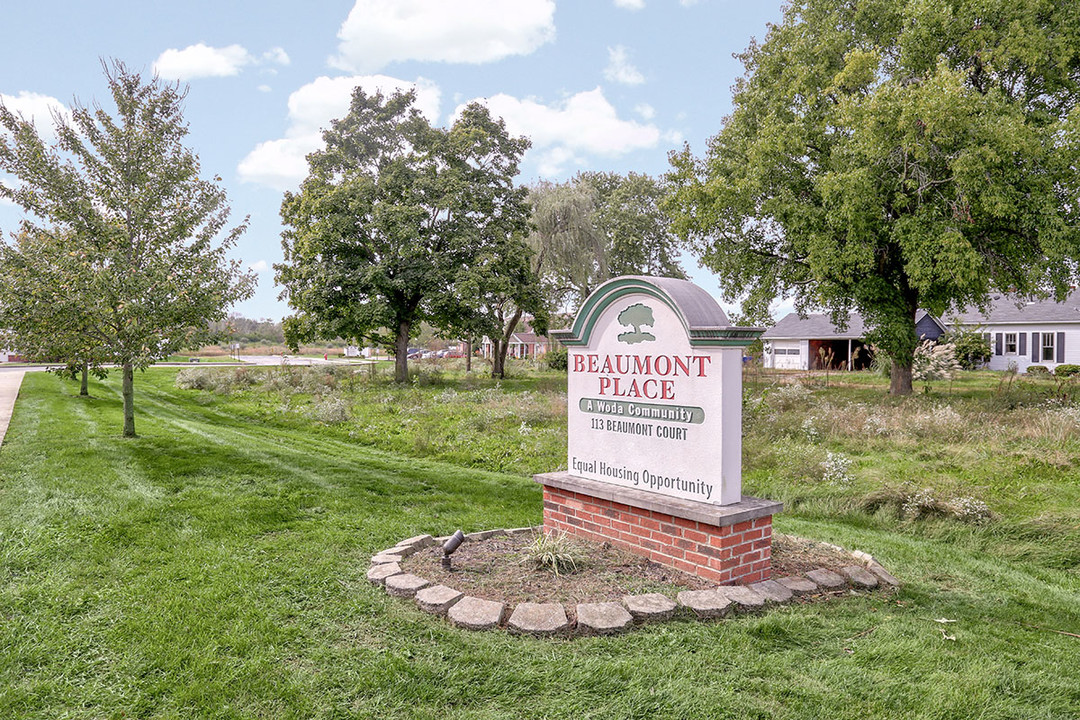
column 9, row 390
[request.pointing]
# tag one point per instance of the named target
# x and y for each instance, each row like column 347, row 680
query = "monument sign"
column 654, row 395
column 655, row 390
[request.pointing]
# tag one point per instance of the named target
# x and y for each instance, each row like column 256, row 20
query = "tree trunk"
column 129, row 400
column 498, row 360
column 900, row 379
column 904, row 360
column 401, row 353
column 468, row 356
column 85, row 388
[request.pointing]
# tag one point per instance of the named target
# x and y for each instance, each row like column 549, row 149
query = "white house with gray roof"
column 813, row 342
column 1021, row 334
column 1026, row 333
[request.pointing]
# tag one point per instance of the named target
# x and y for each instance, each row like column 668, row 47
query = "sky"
column 607, row 85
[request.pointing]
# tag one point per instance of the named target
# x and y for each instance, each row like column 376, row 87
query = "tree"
column 598, row 226
column 143, row 226
column 392, row 216
column 884, row 156
column 46, row 305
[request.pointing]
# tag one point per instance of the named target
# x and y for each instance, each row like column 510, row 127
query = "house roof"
column 818, row 325
column 1003, row 309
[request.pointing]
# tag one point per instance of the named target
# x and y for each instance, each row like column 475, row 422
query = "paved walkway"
column 9, row 390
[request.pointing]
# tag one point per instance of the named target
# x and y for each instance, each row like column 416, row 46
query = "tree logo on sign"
column 635, row 316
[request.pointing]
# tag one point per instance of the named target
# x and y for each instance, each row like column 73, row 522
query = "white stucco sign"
column 655, row 390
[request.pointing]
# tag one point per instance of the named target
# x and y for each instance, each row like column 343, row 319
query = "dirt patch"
column 499, row 568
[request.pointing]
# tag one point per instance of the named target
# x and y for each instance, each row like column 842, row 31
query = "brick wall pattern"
column 734, row 554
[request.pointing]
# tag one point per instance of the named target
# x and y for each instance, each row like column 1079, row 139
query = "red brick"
column 649, row 523
column 690, row 524
column 698, row 537
column 753, row 534
column 762, row 543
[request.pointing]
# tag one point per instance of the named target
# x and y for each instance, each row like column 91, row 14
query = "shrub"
column 1067, row 370
column 555, row 552
column 558, row 359
column 194, row 379
column 934, row 362
column 331, row 410
column 1038, row 370
column 971, row 348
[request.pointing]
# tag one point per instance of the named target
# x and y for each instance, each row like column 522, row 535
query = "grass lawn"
column 214, row 566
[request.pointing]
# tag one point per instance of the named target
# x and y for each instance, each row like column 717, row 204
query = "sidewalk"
column 9, row 390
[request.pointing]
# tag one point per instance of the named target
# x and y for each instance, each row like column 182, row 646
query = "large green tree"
column 596, row 226
column 393, row 215
column 148, row 236
column 884, row 156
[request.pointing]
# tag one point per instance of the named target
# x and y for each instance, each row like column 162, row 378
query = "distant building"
column 1026, row 333
column 524, row 344
column 1020, row 333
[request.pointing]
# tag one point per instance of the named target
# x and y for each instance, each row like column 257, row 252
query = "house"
column 1021, row 333
column 814, row 342
column 524, row 344
column 1025, row 333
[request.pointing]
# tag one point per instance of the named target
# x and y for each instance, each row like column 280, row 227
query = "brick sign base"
column 725, row 544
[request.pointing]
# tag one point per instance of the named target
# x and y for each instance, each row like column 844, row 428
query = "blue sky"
column 597, row 84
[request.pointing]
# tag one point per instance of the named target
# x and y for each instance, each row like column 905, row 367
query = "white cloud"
column 259, row 266
column 584, row 124
column 196, row 61
column 264, row 88
column 277, row 56
column 39, row 110
column 645, row 110
column 620, row 69
column 281, row 164
column 630, row 4
column 379, row 32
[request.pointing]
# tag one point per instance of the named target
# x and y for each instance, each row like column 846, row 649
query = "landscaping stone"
column 377, row 574
column 402, row 550
column 475, row 614
column 743, row 598
column 385, row 557
column 418, row 542
column 772, row 591
column 539, row 619
column 798, row 584
column 864, row 556
column 603, row 618
column 705, row 603
column 827, row 579
column 405, row 585
column 884, row 575
column 483, row 535
column 652, row 606
column 860, row 577
column 437, row 599
column 515, row 532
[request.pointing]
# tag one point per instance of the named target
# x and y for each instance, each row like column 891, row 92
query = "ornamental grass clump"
column 555, row 552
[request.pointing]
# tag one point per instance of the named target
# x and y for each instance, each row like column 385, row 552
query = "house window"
column 1010, row 343
column 1048, row 347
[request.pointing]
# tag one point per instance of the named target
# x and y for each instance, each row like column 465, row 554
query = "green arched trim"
column 612, row 291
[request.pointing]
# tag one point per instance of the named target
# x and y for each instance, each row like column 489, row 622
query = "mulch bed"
column 499, row 568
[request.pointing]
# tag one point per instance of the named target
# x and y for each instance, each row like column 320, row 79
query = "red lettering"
column 619, row 365
column 645, row 389
column 667, row 389
column 684, row 363
column 605, row 383
column 579, row 363
column 643, row 368
column 593, row 365
column 607, row 365
column 667, row 365
column 701, row 359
